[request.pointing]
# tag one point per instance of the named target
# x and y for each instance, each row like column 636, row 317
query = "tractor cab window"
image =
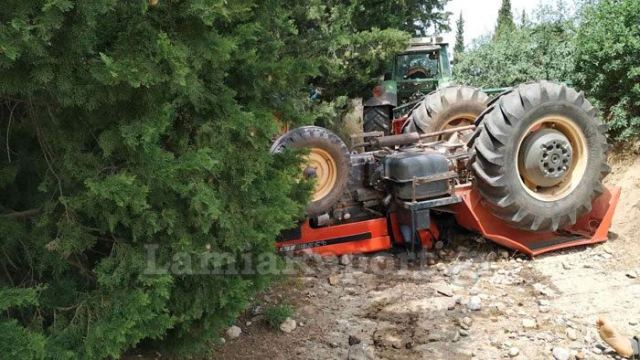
column 417, row 66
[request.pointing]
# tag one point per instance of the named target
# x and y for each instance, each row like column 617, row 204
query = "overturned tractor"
column 524, row 170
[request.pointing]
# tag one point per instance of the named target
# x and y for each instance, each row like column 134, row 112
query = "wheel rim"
column 552, row 158
column 322, row 167
column 457, row 121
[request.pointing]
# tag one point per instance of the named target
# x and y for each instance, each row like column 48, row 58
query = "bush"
column 276, row 315
column 127, row 126
column 607, row 62
column 536, row 50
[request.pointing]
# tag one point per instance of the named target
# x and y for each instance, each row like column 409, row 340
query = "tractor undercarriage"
column 526, row 175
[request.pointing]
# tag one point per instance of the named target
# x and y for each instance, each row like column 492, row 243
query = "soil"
column 471, row 299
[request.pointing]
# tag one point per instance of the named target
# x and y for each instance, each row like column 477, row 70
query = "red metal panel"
column 358, row 237
column 590, row 228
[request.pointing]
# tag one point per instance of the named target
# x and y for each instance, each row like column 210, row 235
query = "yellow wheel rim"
column 325, row 172
column 575, row 172
column 457, row 121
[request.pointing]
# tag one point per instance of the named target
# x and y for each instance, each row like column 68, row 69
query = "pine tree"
column 505, row 18
column 458, row 49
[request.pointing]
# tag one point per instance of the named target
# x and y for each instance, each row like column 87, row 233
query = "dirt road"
column 472, row 300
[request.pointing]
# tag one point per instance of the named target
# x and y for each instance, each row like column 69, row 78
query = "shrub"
column 276, row 315
column 607, row 62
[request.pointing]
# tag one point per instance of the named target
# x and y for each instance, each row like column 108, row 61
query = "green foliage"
column 458, row 49
column 276, row 315
column 505, row 19
column 126, row 125
column 539, row 50
column 607, row 62
column 129, row 125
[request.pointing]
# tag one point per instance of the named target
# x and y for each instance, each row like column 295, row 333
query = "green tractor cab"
column 422, row 68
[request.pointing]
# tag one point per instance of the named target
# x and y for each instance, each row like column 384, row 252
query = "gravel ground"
column 472, row 299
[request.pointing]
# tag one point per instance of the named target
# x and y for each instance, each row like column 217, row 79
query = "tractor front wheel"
column 540, row 156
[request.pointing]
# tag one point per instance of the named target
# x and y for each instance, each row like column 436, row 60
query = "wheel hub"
column 547, row 156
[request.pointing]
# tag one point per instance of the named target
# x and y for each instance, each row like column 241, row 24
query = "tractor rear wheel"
column 447, row 108
column 377, row 118
column 327, row 163
column 540, row 156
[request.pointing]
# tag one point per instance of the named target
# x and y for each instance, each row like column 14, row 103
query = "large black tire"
column 330, row 148
column 501, row 144
column 377, row 118
column 447, row 107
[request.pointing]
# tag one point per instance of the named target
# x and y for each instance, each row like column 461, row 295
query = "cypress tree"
column 458, row 49
column 505, row 18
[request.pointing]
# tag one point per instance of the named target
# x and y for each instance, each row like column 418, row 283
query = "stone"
column 543, row 289
column 334, row 279
column 529, row 323
column 466, row 321
column 345, row 260
column 222, row 341
column 543, row 302
column 442, row 289
column 464, row 332
column 513, row 352
column 475, row 303
column 572, row 334
column 632, row 274
column 360, row 352
column 234, row 332
column 288, row 325
column 504, row 254
column 560, row 353
column 354, row 340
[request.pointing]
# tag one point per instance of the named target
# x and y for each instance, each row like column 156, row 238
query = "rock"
column 222, row 341
column 466, row 321
column 580, row 355
column 442, row 289
column 566, row 266
column 633, row 322
column 453, row 271
column 248, row 323
column 334, row 279
column 560, row 353
column 354, row 340
column 543, row 289
column 256, row 310
column 543, row 302
column 381, row 263
column 345, row 260
column 464, row 332
column 307, row 311
column 632, row 274
column 572, row 334
column 504, row 254
column 475, row 303
column 234, row 332
column 514, row 351
column 529, row 323
column 359, row 352
column 544, row 309
column 288, row 325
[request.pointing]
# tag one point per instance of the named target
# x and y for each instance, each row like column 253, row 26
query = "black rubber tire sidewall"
column 583, row 192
